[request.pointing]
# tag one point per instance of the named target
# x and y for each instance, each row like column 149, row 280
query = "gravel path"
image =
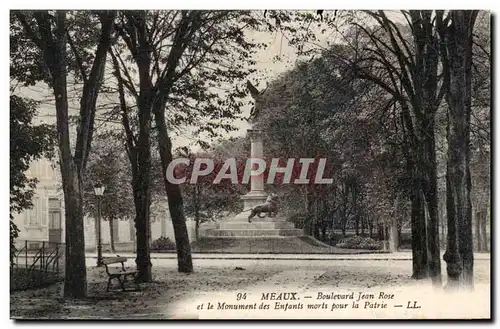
column 177, row 295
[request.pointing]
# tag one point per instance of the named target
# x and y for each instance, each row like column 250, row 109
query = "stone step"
column 253, row 232
column 243, row 217
column 255, row 225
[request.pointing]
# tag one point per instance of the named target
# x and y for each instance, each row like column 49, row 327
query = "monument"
column 256, row 195
column 240, row 225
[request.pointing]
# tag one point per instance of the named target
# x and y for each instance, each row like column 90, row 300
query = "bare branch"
column 78, row 59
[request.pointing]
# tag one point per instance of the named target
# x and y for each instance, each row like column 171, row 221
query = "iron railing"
column 36, row 263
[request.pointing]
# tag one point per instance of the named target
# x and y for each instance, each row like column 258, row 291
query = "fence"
column 36, row 263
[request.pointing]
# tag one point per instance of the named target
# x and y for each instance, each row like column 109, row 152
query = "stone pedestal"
column 257, row 195
column 238, row 226
column 259, row 227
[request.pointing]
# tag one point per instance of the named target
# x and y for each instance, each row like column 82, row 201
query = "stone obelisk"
column 256, row 195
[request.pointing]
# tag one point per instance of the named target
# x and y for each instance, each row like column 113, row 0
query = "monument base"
column 238, row 226
column 259, row 227
column 253, row 198
column 250, row 200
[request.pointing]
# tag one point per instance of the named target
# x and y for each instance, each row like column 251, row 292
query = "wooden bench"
column 123, row 273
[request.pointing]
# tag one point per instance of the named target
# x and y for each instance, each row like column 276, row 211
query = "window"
column 34, row 214
column 54, row 203
column 54, row 213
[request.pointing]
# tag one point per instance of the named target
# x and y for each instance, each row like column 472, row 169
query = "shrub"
column 334, row 238
column 163, row 243
column 300, row 220
column 358, row 242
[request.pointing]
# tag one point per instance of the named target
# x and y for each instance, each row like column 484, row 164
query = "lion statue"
column 270, row 208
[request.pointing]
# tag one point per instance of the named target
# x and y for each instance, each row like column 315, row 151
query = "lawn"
column 270, row 245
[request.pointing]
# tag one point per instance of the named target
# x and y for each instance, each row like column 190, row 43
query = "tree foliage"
column 108, row 166
column 28, row 143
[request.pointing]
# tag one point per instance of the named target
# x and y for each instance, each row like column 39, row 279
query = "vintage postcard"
column 258, row 164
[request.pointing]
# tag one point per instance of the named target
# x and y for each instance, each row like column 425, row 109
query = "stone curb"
column 375, row 257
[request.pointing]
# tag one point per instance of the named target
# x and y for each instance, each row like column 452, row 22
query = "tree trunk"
column 418, row 237
column 142, row 188
column 427, row 89
column 141, row 179
column 111, row 235
column 311, row 215
column 140, row 183
column 452, row 256
column 316, row 227
column 150, row 233
column 477, row 225
column 484, row 236
column 75, row 282
column 465, row 238
column 459, row 102
column 356, row 223
column 443, row 220
column 197, row 200
column 175, row 203
column 412, row 152
column 380, row 232
column 399, row 235
column 142, row 260
column 142, row 191
column 431, row 198
column 393, row 231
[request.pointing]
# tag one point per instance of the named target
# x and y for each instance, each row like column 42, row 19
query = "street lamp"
column 99, row 191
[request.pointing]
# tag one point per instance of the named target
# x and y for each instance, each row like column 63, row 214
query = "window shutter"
column 33, row 211
column 37, row 212
column 45, row 212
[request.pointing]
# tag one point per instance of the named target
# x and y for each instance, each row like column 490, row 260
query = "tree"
column 403, row 62
column 480, row 128
column 180, row 57
column 108, row 165
column 27, row 144
column 456, row 31
column 40, row 47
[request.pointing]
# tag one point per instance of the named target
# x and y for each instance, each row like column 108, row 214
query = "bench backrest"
column 114, row 260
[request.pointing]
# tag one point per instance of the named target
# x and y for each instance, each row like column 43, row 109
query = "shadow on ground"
column 151, row 301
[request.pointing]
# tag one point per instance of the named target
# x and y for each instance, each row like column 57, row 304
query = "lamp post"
column 99, row 191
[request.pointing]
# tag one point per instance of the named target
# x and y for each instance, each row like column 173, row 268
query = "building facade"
column 45, row 221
